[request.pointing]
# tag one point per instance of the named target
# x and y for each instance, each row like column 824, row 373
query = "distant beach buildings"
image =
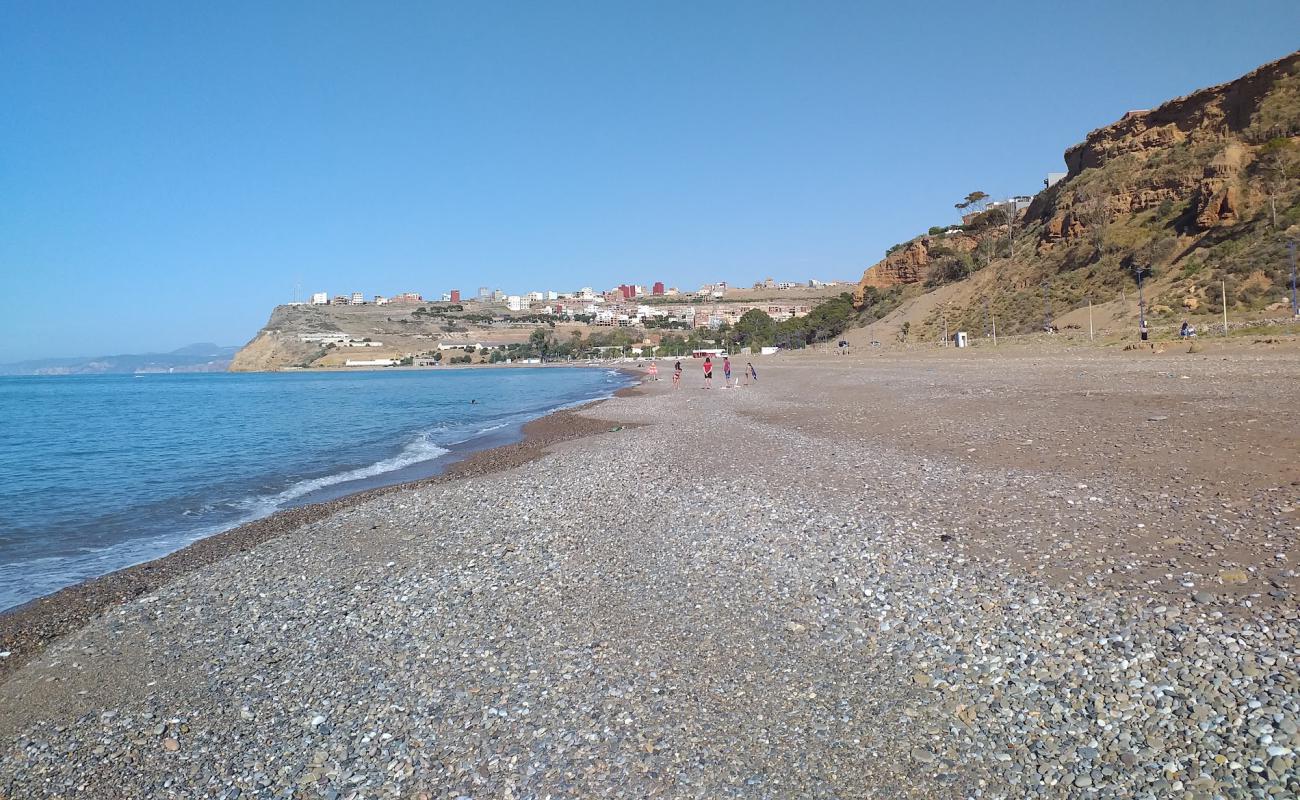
column 713, row 305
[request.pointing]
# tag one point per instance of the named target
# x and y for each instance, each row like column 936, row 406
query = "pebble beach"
column 1039, row 575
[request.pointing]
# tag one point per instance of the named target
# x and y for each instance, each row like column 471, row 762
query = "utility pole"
column 1295, row 309
column 1223, row 294
column 1047, row 310
column 1090, row 319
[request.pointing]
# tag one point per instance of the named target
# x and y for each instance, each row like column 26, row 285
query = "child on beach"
column 750, row 372
column 726, row 371
column 677, row 374
column 708, row 372
column 654, row 371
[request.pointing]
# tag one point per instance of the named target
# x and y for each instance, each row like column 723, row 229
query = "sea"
column 101, row 472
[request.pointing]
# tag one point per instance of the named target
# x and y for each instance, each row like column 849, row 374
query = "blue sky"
column 169, row 171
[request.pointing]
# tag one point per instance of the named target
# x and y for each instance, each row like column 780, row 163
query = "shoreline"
column 27, row 629
column 941, row 570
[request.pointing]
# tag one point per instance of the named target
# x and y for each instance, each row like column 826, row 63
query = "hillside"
column 203, row 357
column 1200, row 193
column 299, row 336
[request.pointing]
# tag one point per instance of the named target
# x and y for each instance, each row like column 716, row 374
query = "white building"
column 446, row 297
column 320, row 299
column 533, row 296
column 516, row 303
column 552, row 296
column 371, row 362
column 358, row 299
column 380, row 300
column 586, row 293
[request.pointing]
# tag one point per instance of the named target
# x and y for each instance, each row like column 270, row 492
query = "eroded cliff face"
column 272, row 350
column 909, row 263
column 1218, row 113
column 1193, row 157
column 1194, row 152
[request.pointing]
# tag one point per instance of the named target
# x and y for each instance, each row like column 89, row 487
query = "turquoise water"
column 101, row 472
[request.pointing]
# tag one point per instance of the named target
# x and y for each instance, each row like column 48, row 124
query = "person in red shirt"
column 708, row 372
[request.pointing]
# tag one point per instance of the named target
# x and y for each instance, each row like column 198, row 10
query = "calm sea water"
column 101, row 472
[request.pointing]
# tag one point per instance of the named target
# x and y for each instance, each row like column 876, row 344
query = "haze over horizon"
column 171, row 172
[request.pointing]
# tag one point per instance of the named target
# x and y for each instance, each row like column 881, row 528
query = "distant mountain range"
column 202, row 357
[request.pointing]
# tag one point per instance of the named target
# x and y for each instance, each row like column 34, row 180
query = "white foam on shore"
column 417, row 451
column 32, row 578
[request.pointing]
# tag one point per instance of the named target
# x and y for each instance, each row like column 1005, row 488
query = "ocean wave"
column 26, row 577
column 421, row 449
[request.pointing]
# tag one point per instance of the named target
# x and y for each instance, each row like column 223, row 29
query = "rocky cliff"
column 303, row 336
column 1207, row 184
column 911, row 262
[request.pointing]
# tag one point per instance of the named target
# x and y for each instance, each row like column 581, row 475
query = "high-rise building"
column 658, row 288
column 455, row 295
column 358, row 298
column 484, row 293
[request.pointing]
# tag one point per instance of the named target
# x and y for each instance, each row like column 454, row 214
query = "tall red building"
column 455, row 295
column 658, row 288
column 628, row 292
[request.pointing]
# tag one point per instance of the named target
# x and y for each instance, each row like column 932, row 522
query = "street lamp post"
column 1047, row 309
column 1142, row 306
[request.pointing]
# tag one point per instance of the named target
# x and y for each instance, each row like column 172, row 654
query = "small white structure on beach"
column 961, row 339
column 371, row 362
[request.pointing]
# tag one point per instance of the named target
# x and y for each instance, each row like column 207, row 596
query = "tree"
column 974, row 201
column 755, row 328
column 1280, row 160
column 539, row 342
column 1091, row 208
column 986, row 249
column 1154, row 253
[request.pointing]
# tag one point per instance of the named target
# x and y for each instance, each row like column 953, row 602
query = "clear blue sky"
column 169, row 170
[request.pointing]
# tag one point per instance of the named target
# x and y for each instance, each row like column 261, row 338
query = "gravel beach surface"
column 1027, row 576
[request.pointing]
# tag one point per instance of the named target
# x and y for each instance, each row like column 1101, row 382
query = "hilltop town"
column 1182, row 214
column 407, row 328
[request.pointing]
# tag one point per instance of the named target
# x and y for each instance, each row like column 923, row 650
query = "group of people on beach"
column 750, row 374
